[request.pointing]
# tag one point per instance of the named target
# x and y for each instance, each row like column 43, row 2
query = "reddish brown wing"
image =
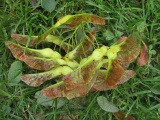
column 30, row 58
column 143, row 59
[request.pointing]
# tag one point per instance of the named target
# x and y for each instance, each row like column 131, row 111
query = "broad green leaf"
column 156, row 90
column 118, row 33
column 49, row 5
column 106, row 105
column 108, row 35
column 141, row 26
column 4, row 91
column 6, row 109
column 15, row 72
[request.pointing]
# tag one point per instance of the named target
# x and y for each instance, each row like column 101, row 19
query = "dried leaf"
column 120, row 115
column 36, row 80
column 143, row 59
column 15, row 72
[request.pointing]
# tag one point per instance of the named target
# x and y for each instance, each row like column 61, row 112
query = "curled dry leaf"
column 143, row 59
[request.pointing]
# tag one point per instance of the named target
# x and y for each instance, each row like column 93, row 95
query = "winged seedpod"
column 80, row 68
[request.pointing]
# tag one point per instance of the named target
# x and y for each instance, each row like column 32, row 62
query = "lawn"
column 139, row 97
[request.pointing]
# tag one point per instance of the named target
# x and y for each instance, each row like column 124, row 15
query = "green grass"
column 134, row 97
